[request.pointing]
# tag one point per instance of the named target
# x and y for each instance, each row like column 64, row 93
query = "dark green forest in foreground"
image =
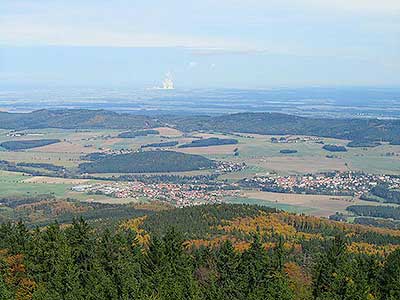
column 81, row 262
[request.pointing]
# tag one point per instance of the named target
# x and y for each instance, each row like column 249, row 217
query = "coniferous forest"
column 225, row 252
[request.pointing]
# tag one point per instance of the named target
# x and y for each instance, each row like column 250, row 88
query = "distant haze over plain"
column 318, row 101
column 203, row 44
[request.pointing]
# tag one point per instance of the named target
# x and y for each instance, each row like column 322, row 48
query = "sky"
column 208, row 43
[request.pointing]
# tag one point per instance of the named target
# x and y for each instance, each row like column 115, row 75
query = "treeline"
column 260, row 123
column 35, row 169
column 15, row 201
column 165, row 178
column 160, row 145
column 75, row 119
column 133, row 134
column 384, row 223
column 384, row 193
column 27, row 144
column 287, row 151
column 42, row 210
column 46, row 166
column 282, row 124
column 147, row 162
column 209, row 142
column 363, row 144
column 80, row 263
column 389, row 212
column 334, row 148
column 209, row 179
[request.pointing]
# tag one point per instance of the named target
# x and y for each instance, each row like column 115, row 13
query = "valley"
column 193, row 166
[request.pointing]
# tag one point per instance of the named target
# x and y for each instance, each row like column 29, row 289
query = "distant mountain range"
column 259, row 123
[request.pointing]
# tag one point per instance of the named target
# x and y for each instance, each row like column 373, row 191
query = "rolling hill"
column 258, row 123
column 147, row 162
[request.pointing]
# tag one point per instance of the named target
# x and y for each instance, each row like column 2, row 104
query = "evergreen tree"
column 390, row 283
column 170, row 269
column 337, row 274
column 227, row 263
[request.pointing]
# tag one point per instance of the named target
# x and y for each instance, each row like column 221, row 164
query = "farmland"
column 17, row 184
column 255, row 150
column 261, row 154
column 318, row 205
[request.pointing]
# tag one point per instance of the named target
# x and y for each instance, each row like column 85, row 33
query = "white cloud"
column 28, row 34
column 227, row 27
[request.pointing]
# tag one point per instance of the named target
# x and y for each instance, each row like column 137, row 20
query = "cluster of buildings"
column 177, row 194
column 14, row 133
column 229, row 166
column 332, row 183
column 295, row 139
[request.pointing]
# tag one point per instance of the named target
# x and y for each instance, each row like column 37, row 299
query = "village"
column 179, row 195
column 331, row 183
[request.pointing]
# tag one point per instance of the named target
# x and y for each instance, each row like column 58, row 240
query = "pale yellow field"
column 63, row 147
column 299, row 164
column 167, row 131
column 323, row 205
column 211, row 150
column 60, row 159
column 210, row 135
column 54, row 180
column 111, row 141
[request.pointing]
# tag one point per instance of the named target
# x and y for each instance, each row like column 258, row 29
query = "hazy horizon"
column 224, row 44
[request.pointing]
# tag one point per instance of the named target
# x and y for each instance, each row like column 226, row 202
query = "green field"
column 258, row 152
column 13, row 184
column 263, row 156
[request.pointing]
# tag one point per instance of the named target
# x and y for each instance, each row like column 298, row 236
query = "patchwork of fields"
column 258, row 152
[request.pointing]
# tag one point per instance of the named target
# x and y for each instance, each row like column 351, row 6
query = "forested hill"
column 147, row 162
column 261, row 123
column 74, row 119
column 219, row 252
column 281, row 124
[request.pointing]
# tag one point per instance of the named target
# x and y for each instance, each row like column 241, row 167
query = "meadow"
column 260, row 154
column 15, row 184
column 257, row 151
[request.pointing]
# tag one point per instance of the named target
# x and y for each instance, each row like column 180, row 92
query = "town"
column 179, row 195
column 330, row 183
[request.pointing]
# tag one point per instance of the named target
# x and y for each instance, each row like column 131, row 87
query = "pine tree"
column 227, row 263
column 170, row 270
column 390, row 283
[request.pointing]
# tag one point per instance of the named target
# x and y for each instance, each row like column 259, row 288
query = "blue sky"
column 224, row 43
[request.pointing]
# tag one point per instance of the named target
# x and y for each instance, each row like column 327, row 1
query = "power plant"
column 168, row 83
